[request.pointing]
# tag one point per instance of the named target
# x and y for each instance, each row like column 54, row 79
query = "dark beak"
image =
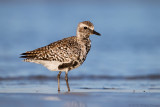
column 96, row 33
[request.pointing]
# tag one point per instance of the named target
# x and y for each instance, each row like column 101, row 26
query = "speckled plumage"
column 65, row 54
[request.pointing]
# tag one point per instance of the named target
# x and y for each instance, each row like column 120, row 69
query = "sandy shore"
column 117, row 93
column 81, row 99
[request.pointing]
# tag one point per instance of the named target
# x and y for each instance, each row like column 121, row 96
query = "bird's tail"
column 28, row 56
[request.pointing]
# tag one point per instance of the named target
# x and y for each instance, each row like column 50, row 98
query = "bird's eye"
column 85, row 27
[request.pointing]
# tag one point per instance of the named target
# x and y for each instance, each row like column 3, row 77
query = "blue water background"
column 129, row 45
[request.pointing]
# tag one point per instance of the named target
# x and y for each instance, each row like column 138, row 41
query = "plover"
column 66, row 54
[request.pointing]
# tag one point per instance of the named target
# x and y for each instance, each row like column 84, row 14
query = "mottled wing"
column 64, row 50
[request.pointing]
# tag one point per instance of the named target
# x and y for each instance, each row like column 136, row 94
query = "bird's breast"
column 85, row 48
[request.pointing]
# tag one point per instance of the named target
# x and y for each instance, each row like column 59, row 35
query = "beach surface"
column 80, row 99
column 89, row 94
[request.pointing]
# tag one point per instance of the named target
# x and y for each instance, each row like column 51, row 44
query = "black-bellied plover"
column 66, row 54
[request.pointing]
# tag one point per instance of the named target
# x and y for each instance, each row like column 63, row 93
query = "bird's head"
column 85, row 29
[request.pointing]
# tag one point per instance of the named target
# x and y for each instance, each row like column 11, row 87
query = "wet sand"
column 80, row 99
column 84, row 93
column 45, row 96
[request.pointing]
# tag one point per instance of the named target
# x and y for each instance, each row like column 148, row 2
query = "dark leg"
column 58, row 77
column 66, row 78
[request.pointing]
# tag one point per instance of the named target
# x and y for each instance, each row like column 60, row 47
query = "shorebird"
column 66, row 54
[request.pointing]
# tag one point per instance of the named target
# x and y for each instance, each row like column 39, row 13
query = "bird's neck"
column 82, row 36
column 83, row 40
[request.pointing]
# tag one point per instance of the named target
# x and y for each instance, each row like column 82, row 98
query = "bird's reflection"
column 75, row 104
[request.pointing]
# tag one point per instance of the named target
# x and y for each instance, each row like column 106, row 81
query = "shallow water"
column 81, row 99
column 84, row 85
column 129, row 48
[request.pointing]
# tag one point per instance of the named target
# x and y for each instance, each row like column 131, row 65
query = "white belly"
column 51, row 65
